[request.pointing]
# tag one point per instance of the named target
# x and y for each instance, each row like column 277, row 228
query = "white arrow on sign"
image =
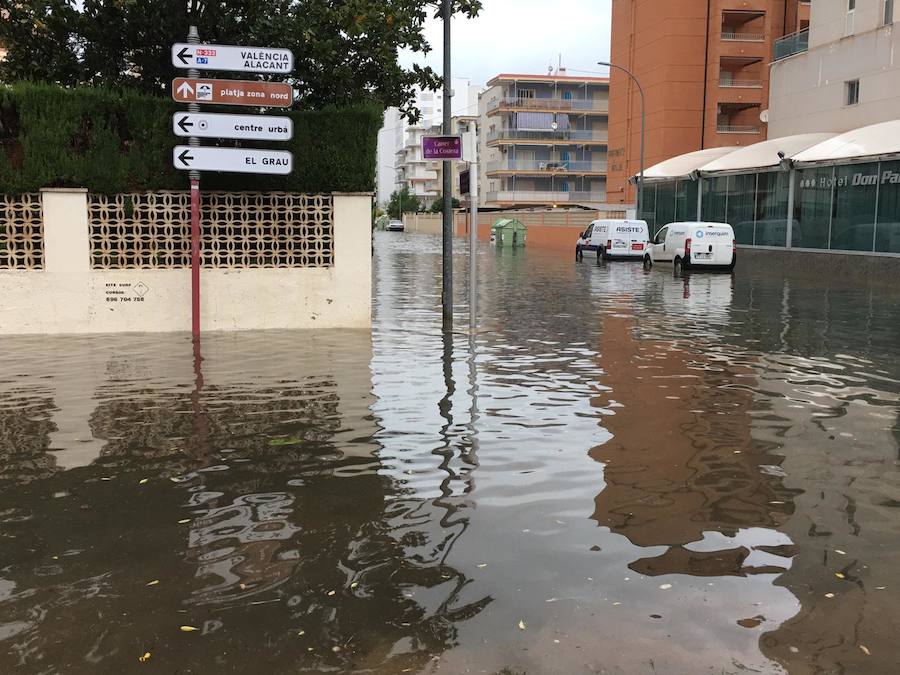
column 237, row 59
column 186, row 89
column 233, row 160
column 241, row 127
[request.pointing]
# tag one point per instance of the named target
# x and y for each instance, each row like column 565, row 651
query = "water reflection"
column 681, row 466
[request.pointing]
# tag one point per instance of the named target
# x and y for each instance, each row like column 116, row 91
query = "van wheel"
column 648, row 263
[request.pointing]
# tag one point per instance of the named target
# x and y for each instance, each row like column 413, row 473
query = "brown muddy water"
column 624, row 472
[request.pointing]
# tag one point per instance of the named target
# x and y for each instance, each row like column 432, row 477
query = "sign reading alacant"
column 232, row 160
column 237, row 59
column 240, row 127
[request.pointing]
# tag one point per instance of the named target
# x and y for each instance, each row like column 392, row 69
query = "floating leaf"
column 188, row 629
column 829, row 595
column 184, row 520
column 840, row 575
column 354, row 584
column 521, row 625
column 143, row 481
column 331, row 592
column 143, row 658
column 302, row 633
column 865, row 650
column 666, row 587
column 153, row 583
column 284, row 441
column 335, row 649
column 481, row 566
column 839, row 551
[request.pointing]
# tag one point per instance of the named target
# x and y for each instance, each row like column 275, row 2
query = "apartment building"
column 839, row 74
column 703, row 65
column 397, row 135
column 543, row 140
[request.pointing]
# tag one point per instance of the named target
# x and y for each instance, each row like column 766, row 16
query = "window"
column 567, row 96
column 661, row 236
column 851, row 18
column 852, row 89
column 888, row 12
column 851, row 5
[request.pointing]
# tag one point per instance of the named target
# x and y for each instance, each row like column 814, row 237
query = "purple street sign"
column 442, row 147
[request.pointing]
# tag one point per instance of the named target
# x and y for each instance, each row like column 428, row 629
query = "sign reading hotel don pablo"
column 442, row 147
column 235, row 59
column 232, row 160
column 232, row 92
column 240, row 127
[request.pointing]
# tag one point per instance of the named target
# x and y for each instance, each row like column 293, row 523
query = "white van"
column 614, row 239
column 689, row 246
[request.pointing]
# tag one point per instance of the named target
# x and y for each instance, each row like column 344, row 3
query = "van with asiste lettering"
column 693, row 246
column 614, row 240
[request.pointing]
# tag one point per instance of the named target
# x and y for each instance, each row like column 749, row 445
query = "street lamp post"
column 640, row 198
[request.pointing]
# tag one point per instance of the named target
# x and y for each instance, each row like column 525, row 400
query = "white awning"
column 684, row 165
column 877, row 139
column 765, row 154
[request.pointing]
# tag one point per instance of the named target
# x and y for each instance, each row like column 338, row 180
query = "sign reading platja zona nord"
column 237, row 59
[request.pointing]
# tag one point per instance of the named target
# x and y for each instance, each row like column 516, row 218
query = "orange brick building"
column 704, row 67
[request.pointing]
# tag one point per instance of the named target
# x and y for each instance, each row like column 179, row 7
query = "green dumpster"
column 509, row 233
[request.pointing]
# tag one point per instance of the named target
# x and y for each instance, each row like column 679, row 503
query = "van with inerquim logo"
column 693, row 246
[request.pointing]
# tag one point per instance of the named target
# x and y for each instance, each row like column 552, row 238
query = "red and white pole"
column 194, row 38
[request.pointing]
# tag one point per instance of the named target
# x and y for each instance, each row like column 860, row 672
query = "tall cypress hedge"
column 121, row 141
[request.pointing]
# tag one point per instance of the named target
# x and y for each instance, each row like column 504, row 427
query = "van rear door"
column 629, row 239
column 712, row 245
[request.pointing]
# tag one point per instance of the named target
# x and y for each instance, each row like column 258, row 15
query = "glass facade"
column 846, row 207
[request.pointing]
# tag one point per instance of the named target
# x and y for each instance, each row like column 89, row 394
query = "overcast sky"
column 522, row 36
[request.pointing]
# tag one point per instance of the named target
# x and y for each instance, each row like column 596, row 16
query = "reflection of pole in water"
column 201, row 422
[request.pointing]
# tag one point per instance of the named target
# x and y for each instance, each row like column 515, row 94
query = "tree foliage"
column 438, row 205
column 405, row 200
column 345, row 50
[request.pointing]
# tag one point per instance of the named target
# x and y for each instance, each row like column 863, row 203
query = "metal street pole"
column 640, row 198
column 473, row 228
column 447, row 287
column 194, row 39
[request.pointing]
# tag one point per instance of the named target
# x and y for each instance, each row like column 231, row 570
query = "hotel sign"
column 860, row 179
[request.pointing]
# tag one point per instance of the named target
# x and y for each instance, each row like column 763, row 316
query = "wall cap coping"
column 65, row 190
column 353, row 194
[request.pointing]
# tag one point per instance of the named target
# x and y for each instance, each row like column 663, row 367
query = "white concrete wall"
column 807, row 91
column 67, row 296
column 828, row 19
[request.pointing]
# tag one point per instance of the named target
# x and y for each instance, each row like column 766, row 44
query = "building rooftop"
column 512, row 77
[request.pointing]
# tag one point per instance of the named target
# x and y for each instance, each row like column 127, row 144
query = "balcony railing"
column 731, row 129
column 795, row 43
column 549, row 136
column 545, row 197
column 740, row 83
column 550, row 104
column 547, row 166
column 743, row 37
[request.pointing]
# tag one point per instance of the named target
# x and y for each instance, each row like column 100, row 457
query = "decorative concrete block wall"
column 95, row 264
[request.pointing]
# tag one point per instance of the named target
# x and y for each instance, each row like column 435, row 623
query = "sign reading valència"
column 859, row 179
column 233, row 58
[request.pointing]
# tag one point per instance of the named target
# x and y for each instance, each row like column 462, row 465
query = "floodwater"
column 624, row 472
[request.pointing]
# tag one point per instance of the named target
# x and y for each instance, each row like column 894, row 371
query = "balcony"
column 548, row 137
column 514, row 104
column 545, row 197
column 743, row 37
column 740, row 83
column 731, row 129
column 795, row 43
column 547, row 167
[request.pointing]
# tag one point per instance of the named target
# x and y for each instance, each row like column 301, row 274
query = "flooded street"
column 624, row 472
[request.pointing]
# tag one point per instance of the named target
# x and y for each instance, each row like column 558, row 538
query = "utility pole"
column 447, row 287
column 194, row 39
column 473, row 228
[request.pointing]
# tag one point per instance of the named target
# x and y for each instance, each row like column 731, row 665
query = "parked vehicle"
column 395, row 226
column 614, row 240
column 692, row 245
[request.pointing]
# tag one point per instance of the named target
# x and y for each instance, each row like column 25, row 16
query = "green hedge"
column 121, row 141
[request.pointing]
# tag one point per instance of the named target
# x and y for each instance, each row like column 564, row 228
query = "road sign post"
column 194, row 125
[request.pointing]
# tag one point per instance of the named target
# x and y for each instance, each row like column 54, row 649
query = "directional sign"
column 241, row 127
column 232, row 160
column 228, row 57
column 232, row 92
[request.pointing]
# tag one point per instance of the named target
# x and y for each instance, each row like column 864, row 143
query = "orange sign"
column 232, row 92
